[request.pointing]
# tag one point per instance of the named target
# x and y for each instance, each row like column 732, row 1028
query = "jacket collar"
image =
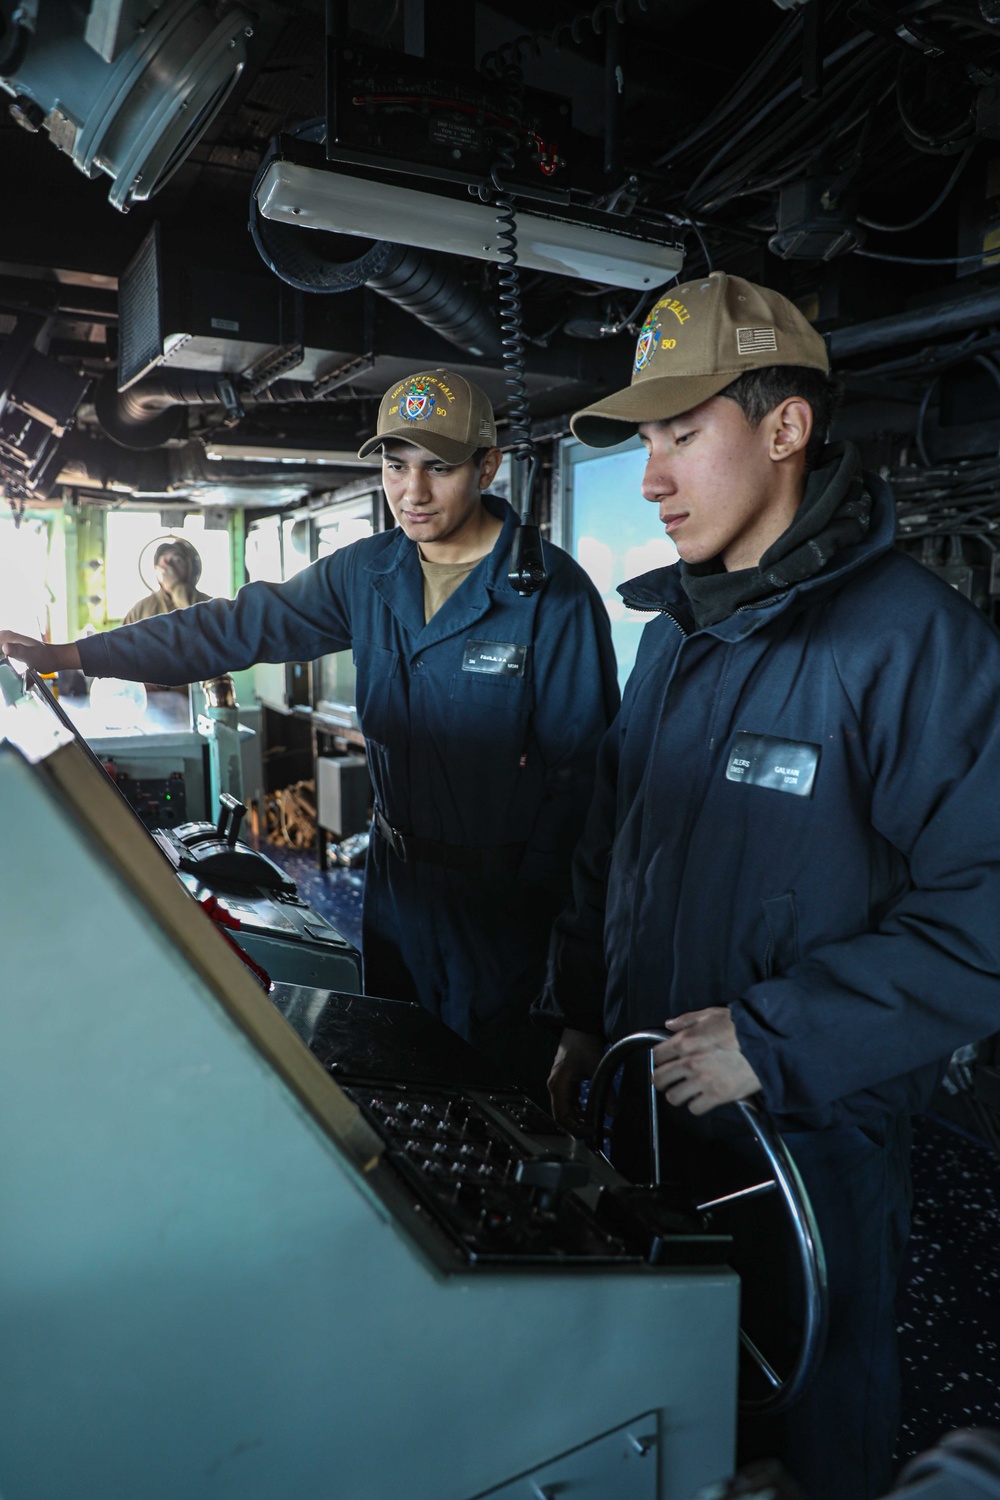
column 661, row 590
column 397, row 578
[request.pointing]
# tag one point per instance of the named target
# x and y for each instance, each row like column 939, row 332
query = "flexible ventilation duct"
column 316, row 261
column 97, row 463
column 437, row 297
column 149, row 413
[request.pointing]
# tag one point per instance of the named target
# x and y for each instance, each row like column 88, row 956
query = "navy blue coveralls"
column 852, row 932
column 482, row 728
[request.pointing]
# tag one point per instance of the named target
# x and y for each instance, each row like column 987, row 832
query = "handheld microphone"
column 526, row 570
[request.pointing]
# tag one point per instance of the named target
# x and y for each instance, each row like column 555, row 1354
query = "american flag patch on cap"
column 756, row 341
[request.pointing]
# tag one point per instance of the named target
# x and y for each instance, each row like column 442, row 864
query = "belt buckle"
column 391, row 835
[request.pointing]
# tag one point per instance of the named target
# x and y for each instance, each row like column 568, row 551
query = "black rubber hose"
column 313, row 260
column 436, row 296
column 150, row 413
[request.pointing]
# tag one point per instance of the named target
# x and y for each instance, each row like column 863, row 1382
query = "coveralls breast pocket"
column 487, row 716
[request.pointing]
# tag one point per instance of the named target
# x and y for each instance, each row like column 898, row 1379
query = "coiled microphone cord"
column 526, row 572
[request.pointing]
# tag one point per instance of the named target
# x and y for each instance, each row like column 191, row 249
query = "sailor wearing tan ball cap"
column 439, row 410
column 697, row 339
column 482, row 712
column 791, row 863
column 731, row 353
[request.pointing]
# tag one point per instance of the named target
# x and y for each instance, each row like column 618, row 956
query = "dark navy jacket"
column 456, row 756
column 854, row 933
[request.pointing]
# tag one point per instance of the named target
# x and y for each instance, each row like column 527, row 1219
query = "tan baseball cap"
column 696, row 340
column 438, row 410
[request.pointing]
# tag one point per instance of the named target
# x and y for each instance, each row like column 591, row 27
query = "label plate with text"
column 495, row 658
column 778, row 765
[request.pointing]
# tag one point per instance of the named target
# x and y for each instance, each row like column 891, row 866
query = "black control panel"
column 199, row 849
column 480, row 1174
column 161, row 802
column 507, row 1186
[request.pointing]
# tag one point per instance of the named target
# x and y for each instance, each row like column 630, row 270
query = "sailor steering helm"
column 784, row 1180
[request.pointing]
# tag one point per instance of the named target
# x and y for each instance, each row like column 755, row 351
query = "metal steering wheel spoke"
column 784, row 1180
column 741, row 1195
column 760, row 1360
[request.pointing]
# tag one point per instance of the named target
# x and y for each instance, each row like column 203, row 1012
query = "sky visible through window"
column 616, row 535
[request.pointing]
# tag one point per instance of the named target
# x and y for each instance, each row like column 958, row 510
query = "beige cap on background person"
column 696, row 340
column 438, row 410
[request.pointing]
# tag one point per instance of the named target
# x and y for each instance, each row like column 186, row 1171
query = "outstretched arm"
column 298, row 620
column 38, row 654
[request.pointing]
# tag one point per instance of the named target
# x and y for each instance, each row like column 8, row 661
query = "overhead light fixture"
column 238, row 452
column 563, row 240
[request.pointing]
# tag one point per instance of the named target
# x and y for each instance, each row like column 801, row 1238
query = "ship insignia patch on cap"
column 651, row 333
column 756, row 341
column 649, row 337
column 418, row 403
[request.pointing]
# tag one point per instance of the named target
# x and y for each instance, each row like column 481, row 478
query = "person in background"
column 177, row 565
column 482, row 711
column 792, row 862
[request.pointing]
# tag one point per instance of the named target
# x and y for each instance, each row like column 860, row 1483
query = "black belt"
column 500, row 859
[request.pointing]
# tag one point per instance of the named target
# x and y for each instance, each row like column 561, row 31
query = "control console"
column 506, row 1186
column 475, row 1167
